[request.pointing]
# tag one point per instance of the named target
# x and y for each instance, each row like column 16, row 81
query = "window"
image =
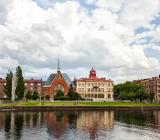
column 58, row 87
column 39, row 84
column 109, row 96
column 31, row 84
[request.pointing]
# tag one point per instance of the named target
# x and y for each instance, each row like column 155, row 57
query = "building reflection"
column 92, row 121
column 58, row 124
column 157, row 118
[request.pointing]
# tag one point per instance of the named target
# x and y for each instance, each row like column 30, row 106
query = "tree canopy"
column 20, row 89
column 130, row 91
column 8, row 86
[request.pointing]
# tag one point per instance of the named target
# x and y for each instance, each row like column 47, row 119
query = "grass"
column 111, row 104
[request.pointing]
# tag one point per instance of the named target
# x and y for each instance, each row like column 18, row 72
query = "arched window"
column 58, row 87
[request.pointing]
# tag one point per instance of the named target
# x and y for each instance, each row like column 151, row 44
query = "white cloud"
column 35, row 37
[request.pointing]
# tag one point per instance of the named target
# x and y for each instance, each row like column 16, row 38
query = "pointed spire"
column 58, row 67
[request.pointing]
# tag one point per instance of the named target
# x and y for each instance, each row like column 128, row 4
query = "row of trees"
column 20, row 89
column 131, row 91
column 35, row 96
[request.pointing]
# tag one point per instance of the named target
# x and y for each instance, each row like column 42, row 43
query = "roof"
column 50, row 79
column 95, row 79
column 32, row 81
column 25, row 80
column 53, row 75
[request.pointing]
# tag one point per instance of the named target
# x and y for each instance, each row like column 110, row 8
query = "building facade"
column 95, row 88
column 32, row 85
column 2, row 84
column 55, row 82
column 152, row 86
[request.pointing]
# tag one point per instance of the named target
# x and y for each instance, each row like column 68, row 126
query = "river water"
column 80, row 125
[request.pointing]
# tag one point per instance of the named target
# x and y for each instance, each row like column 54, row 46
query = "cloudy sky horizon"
column 119, row 38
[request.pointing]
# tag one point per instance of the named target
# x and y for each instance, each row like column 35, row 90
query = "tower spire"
column 58, row 67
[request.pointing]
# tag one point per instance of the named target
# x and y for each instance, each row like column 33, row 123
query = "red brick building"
column 32, row 85
column 56, row 81
column 2, row 84
column 152, row 86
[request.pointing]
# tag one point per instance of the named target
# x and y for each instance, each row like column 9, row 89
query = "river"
column 80, row 125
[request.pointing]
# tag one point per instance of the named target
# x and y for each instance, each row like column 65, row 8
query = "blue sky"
column 119, row 38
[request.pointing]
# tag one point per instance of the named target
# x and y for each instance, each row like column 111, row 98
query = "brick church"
column 56, row 81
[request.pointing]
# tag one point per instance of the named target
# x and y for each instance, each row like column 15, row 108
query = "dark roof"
column 50, row 79
column 67, row 79
column 52, row 76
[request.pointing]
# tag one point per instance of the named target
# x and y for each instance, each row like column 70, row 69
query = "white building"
column 95, row 88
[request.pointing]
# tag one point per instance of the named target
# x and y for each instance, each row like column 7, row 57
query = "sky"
column 119, row 38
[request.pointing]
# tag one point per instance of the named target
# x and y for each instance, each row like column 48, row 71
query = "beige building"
column 95, row 88
column 151, row 85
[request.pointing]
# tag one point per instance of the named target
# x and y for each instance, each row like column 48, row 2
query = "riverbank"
column 76, row 106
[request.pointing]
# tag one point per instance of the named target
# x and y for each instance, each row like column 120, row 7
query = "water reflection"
column 72, row 124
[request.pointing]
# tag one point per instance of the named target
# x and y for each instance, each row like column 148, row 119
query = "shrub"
column 28, row 95
column 35, row 95
column 62, row 98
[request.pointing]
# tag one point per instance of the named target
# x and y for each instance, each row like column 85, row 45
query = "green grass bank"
column 81, row 104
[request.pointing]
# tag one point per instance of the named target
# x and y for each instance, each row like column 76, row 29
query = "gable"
column 57, row 76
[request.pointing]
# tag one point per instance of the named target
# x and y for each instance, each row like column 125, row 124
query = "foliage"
column 47, row 97
column 72, row 94
column 8, row 86
column 130, row 91
column 20, row 83
column 28, row 95
column 59, row 93
column 62, row 98
column 151, row 97
column 35, row 95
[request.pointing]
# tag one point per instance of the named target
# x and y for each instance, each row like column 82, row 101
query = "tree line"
column 132, row 91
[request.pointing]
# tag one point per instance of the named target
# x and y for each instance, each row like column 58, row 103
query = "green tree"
column 35, row 95
column 59, row 93
column 28, row 95
column 20, row 83
column 131, row 96
column 47, row 97
column 151, row 97
column 123, row 96
column 130, row 91
column 8, row 86
column 72, row 94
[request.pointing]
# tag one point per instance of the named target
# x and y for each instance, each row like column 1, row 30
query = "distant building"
column 55, row 82
column 152, row 86
column 2, row 84
column 95, row 88
column 32, row 85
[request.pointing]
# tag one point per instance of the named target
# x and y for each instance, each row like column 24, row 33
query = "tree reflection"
column 60, row 124
column 18, row 125
column 7, row 124
column 141, row 118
